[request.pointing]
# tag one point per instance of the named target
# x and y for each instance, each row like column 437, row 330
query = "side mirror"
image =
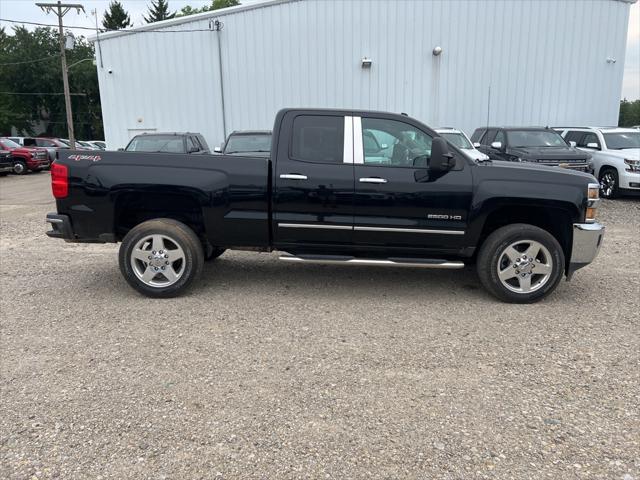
column 572, row 143
column 217, row 149
column 441, row 159
column 121, row 149
column 593, row 145
column 496, row 145
column 476, row 144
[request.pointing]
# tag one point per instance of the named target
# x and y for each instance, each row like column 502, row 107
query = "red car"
column 25, row 159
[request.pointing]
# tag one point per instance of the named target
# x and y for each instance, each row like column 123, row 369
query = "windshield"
column 622, row 140
column 535, row 138
column 248, row 143
column 457, row 140
column 156, row 143
column 8, row 143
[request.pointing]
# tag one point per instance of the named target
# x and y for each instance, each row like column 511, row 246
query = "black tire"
column 609, row 183
column 493, row 257
column 178, row 234
column 211, row 253
column 19, row 167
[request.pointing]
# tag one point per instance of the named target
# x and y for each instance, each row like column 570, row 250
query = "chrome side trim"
column 293, row 176
column 409, row 230
column 323, row 226
column 347, row 151
column 419, row 263
column 373, row 180
column 358, row 148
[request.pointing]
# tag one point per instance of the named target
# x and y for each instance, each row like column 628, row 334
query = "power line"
column 31, row 61
column 109, row 29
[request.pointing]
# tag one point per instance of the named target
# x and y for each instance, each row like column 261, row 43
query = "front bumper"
column 629, row 180
column 60, row 227
column 587, row 240
column 6, row 168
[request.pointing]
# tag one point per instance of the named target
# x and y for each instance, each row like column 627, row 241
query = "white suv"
column 459, row 139
column 616, row 156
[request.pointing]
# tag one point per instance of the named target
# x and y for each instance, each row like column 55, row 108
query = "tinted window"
column 190, row 145
column 318, row 138
column 535, row 138
column 622, row 140
column 41, row 142
column 400, row 144
column 8, row 143
column 156, row 143
column 246, row 143
column 588, row 137
column 499, row 137
column 489, row 136
column 477, row 135
column 573, row 136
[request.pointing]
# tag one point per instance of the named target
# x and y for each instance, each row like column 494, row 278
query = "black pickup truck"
column 328, row 194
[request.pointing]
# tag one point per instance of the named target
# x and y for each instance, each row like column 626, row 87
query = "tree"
column 629, row 113
column 215, row 5
column 158, row 11
column 31, row 85
column 116, row 18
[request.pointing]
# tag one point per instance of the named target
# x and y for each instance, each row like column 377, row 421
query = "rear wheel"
column 609, row 185
column 19, row 167
column 161, row 258
column 520, row 263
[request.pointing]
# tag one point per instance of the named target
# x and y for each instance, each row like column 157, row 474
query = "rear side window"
column 45, row 143
column 318, row 138
column 29, row 142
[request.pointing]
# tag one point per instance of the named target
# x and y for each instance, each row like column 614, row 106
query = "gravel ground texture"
column 277, row 371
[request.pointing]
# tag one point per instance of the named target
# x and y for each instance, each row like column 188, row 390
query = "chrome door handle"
column 293, row 176
column 373, row 180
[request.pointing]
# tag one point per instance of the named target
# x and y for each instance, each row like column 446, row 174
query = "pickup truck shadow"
column 335, row 281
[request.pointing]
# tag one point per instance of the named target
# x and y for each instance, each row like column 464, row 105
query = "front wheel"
column 609, row 185
column 520, row 263
column 160, row 258
column 20, row 168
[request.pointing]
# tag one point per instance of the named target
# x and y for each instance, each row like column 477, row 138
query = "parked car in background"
column 616, row 156
column 25, row 159
column 326, row 196
column 52, row 145
column 530, row 144
column 192, row 143
column 247, row 142
column 6, row 164
column 457, row 138
column 99, row 144
column 82, row 144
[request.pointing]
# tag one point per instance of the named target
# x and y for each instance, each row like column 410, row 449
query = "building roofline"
column 188, row 19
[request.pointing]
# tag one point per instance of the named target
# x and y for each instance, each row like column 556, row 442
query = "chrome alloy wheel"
column 524, row 266
column 607, row 183
column 158, row 261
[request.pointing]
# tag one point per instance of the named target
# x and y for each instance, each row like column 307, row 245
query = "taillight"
column 59, row 180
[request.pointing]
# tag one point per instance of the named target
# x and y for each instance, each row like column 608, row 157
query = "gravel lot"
column 270, row 370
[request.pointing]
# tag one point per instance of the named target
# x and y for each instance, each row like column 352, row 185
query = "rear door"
column 313, row 184
column 399, row 202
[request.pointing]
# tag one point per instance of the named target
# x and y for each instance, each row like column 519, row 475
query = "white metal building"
column 525, row 62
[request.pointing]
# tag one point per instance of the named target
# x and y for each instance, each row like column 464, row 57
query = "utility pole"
column 61, row 9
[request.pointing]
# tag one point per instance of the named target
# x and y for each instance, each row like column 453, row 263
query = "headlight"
column 593, row 199
column 632, row 165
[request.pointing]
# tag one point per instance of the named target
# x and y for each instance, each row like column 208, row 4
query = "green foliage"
column 116, row 18
column 215, row 5
column 25, row 112
column 159, row 10
column 629, row 113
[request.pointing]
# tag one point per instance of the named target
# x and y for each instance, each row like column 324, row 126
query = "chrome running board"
column 381, row 262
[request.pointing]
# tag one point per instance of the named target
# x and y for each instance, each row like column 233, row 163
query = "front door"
column 313, row 184
column 399, row 202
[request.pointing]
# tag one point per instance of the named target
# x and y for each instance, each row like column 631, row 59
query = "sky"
column 26, row 10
